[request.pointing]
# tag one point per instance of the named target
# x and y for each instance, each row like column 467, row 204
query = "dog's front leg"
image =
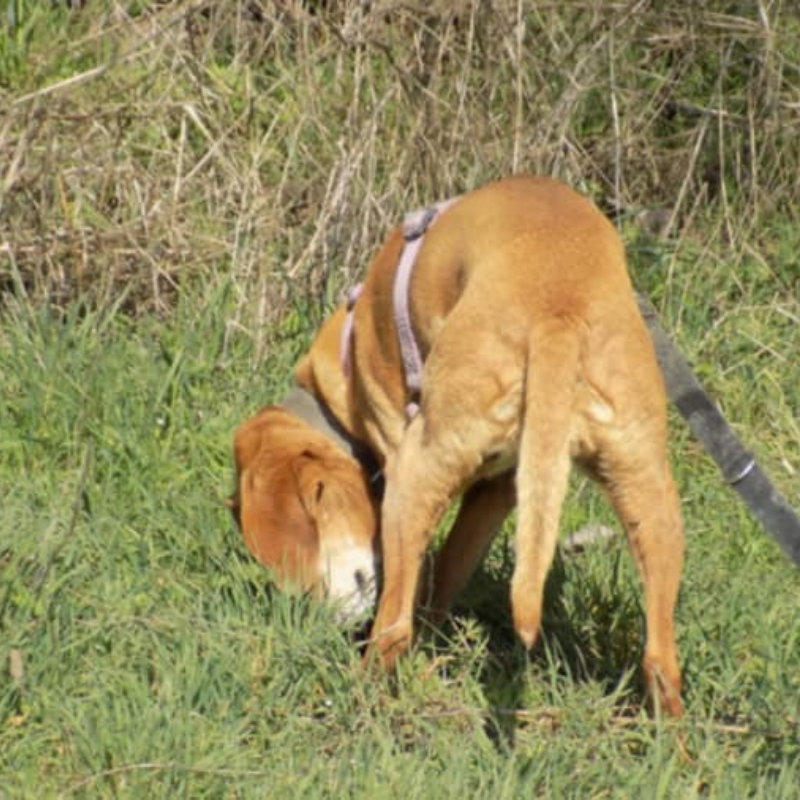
column 420, row 483
column 483, row 510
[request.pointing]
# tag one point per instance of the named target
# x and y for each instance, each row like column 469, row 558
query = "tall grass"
column 184, row 190
column 146, row 144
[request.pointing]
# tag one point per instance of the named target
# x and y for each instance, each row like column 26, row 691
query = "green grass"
column 156, row 661
column 185, row 188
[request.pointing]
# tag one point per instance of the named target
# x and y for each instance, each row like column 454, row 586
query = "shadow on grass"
column 592, row 632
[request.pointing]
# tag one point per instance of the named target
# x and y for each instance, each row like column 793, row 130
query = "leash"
column 737, row 464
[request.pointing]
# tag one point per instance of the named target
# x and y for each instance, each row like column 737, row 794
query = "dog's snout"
column 361, row 580
column 348, row 575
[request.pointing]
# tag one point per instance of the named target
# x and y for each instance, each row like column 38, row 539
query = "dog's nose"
column 361, row 580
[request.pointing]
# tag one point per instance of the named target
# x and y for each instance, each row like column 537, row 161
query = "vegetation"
column 185, row 190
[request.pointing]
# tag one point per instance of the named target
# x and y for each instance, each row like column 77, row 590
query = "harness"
column 415, row 226
column 316, row 414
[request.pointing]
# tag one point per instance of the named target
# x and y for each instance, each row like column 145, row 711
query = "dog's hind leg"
column 637, row 478
column 543, row 467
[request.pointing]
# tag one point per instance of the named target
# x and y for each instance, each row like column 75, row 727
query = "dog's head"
column 306, row 511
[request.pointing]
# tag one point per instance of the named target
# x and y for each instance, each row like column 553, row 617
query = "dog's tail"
column 544, row 463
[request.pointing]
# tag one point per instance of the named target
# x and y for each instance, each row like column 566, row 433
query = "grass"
column 152, row 659
column 184, row 190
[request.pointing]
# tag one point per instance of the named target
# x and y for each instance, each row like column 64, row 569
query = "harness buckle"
column 417, row 222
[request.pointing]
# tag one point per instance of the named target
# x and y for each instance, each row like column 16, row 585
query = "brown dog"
column 534, row 355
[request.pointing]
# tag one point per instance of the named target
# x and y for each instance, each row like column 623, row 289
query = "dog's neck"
column 307, row 407
column 320, row 373
column 321, row 398
column 314, row 413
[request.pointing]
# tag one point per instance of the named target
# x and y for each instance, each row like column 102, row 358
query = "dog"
column 532, row 356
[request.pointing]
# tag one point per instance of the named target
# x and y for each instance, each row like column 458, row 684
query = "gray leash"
column 737, row 464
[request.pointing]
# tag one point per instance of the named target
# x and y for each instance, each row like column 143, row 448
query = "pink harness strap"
column 415, row 225
column 345, row 345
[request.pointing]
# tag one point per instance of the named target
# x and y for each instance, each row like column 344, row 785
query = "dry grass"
column 145, row 144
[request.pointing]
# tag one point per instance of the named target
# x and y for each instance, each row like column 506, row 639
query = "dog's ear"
column 246, row 446
column 276, row 525
column 310, row 480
